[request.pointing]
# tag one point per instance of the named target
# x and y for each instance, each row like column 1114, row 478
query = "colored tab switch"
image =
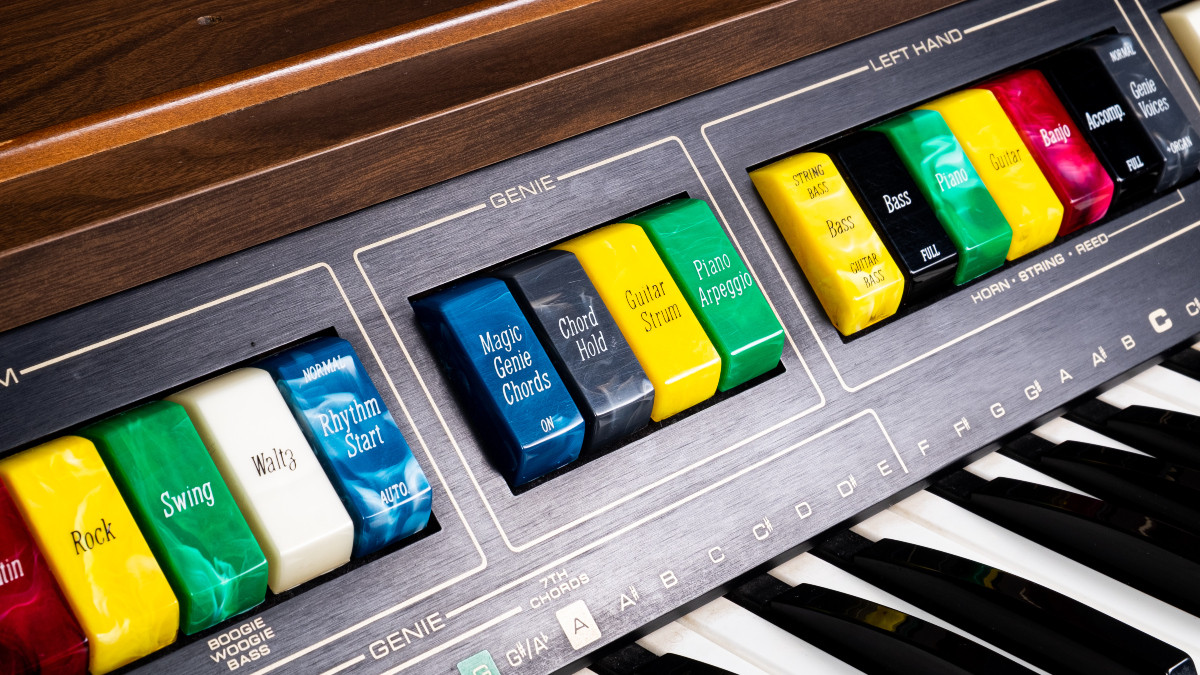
column 902, row 216
column 273, row 474
column 1057, row 145
column 182, row 506
column 851, row 271
column 37, row 632
column 718, row 286
column 104, row 567
column 588, row 349
column 653, row 315
column 949, row 182
column 1128, row 115
column 1004, row 164
column 356, row 440
column 493, row 356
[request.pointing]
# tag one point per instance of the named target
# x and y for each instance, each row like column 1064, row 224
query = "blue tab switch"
column 355, row 438
column 501, row 369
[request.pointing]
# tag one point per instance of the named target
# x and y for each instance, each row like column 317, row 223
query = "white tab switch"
column 578, row 624
column 274, row 476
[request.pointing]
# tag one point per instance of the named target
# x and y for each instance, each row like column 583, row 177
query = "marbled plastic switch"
column 37, row 632
column 900, row 213
column 1068, row 162
column 1005, row 166
column 491, row 353
column 718, row 286
column 103, row 565
column 652, row 313
column 185, row 511
column 274, row 476
column 851, row 271
column 950, row 184
column 356, row 440
column 1128, row 115
column 609, row 385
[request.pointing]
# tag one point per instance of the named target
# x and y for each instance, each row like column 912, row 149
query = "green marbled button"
column 950, row 184
column 184, row 510
column 719, row 288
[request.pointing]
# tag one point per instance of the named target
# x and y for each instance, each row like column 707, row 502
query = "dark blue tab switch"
column 493, row 356
column 356, row 440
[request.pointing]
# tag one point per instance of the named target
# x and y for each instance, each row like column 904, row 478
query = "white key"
column 1169, row 386
column 675, row 638
column 981, row 540
column 997, row 466
column 809, row 569
column 1123, row 395
column 1059, row 430
column 760, row 642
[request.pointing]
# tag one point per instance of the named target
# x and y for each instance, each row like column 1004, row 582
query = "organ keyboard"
column 661, row 536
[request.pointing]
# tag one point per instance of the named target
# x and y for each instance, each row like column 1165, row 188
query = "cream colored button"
column 578, row 624
column 273, row 474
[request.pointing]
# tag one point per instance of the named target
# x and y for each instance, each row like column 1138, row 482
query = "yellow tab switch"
column 95, row 549
column 653, row 315
column 854, row 276
column 1003, row 162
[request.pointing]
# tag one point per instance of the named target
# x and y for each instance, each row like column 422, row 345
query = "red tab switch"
column 1068, row 162
column 38, row 634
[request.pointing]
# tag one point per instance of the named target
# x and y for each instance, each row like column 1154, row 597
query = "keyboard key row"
column 996, row 568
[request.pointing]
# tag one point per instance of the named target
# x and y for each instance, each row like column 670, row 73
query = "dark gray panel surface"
column 637, row 533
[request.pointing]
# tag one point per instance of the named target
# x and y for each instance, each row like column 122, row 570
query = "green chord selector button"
column 182, row 506
column 718, row 286
column 933, row 156
column 478, row 664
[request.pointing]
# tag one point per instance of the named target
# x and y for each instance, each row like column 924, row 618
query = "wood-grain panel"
column 149, row 208
column 90, row 56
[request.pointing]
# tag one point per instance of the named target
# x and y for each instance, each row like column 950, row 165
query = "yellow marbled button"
column 653, row 315
column 854, row 276
column 1004, row 164
column 95, row 549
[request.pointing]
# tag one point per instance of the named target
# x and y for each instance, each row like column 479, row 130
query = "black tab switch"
column 1128, row 115
column 909, row 227
column 604, row 377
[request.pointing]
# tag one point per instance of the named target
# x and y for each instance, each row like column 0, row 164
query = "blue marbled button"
column 357, row 441
column 504, row 374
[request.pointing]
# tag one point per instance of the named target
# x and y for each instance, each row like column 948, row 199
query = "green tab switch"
column 717, row 285
column 950, row 184
column 186, row 513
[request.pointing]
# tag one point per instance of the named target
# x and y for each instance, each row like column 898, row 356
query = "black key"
column 634, row 660
column 1145, row 552
column 1024, row 618
column 604, row 377
column 624, row 661
column 878, row 639
column 1127, row 114
column 1165, row 434
column 909, row 227
column 1186, row 362
column 1159, row 487
column 674, row 664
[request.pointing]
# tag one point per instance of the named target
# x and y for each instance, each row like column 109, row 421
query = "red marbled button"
column 38, row 633
column 1077, row 176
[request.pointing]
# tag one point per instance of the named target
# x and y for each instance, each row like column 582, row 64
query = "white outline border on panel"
column 820, row 343
column 357, row 322
column 518, row 548
column 675, row 505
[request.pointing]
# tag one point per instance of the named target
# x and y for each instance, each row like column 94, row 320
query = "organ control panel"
column 422, row 454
